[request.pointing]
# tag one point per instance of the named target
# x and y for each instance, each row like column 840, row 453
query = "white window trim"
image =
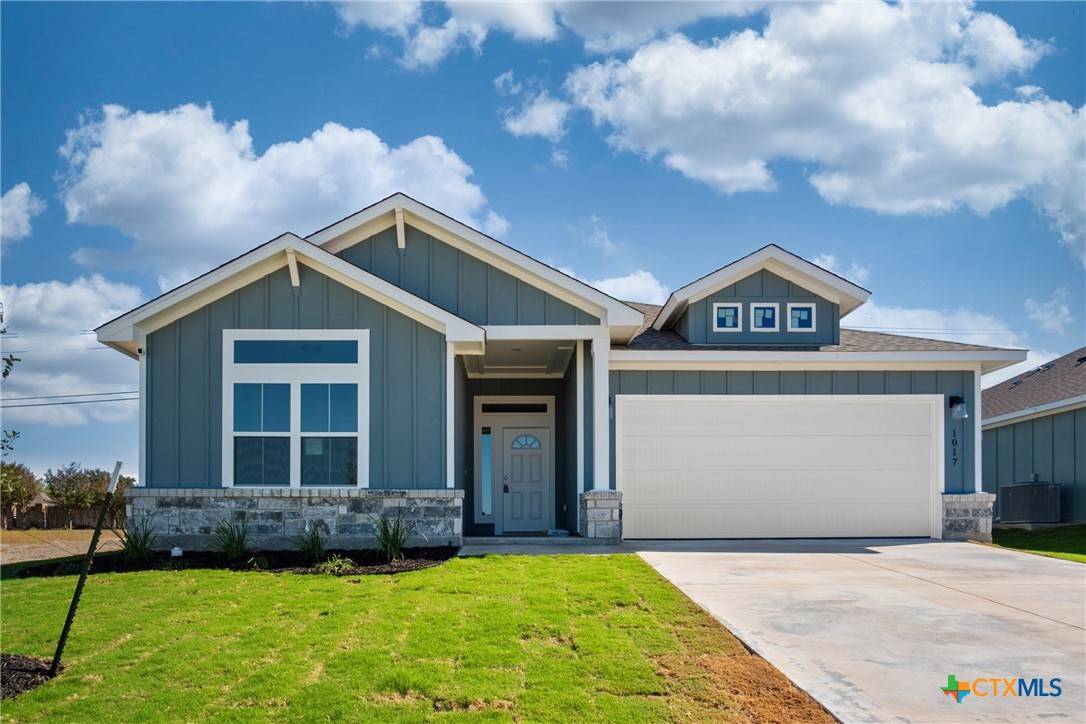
column 803, row 305
column 738, row 307
column 776, row 316
column 296, row 375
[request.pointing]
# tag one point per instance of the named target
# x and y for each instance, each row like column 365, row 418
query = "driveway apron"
column 873, row 628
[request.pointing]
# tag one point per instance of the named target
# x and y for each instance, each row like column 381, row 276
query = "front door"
column 527, row 486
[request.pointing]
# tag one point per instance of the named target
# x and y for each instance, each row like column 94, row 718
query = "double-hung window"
column 295, row 408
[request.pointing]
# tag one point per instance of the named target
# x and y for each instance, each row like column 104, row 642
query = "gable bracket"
column 292, row 263
column 401, row 239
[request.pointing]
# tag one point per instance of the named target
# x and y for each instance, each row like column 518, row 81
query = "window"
column 801, row 317
column 295, row 408
column 486, row 500
column 526, row 442
column 726, row 317
column 763, row 318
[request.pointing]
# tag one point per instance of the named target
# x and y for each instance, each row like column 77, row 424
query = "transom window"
column 727, row 317
column 763, row 317
column 295, row 408
column 801, row 317
column 526, row 442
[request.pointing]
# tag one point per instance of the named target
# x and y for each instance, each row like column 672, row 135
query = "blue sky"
column 933, row 153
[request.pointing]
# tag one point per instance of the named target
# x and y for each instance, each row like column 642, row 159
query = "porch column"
column 601, row 418
column 450, row 415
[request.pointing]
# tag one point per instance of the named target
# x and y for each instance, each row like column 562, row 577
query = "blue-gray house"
column 401, row 358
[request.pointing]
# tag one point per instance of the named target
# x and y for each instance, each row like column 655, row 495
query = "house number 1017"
column 953, row 447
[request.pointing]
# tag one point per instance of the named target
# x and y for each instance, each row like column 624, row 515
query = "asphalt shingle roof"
column 852, row 340
column 1060, row 379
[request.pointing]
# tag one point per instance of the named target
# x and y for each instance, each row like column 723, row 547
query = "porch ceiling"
column 521, row 358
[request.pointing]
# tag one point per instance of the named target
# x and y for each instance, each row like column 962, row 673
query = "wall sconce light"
column 958, row 408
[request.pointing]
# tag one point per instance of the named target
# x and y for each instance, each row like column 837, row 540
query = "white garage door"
column 779, row 466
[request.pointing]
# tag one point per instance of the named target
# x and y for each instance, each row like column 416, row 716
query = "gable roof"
column 773, row 258
column 128, row 331
column 854, row 345
column 1049, row 387
column 400, row 209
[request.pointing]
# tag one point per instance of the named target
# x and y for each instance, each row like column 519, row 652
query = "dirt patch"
column 360, row 563
column 761, row 692
column 43, row 545
column 20, row 674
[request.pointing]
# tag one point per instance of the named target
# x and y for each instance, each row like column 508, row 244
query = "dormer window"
column 764, row 317
column 727, row 317
column 801, row 317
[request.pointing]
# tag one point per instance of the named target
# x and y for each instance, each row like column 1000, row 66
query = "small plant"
column 310, row 543
column 231, row 538
column 393, row 533
column 256, row 563
column 335, row 566
column 137, row 540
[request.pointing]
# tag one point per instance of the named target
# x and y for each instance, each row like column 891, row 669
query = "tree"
column 7, row 437
column 18, row 488
column 72, row 488
column 101, row 485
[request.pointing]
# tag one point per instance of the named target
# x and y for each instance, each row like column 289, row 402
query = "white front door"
column 527, row 485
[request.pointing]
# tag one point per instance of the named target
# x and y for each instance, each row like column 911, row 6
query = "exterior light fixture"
column 958, row 408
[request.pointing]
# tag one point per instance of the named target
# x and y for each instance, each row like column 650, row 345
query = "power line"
column 48, row 334
column 58, row 349
column 71, row 402
column 86, row 394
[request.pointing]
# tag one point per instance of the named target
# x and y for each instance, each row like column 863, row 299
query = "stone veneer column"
column 275, row 516
column 968, row 516
column 601, row 514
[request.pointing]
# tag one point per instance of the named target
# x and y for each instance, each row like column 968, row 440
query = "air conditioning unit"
column 1029, row 503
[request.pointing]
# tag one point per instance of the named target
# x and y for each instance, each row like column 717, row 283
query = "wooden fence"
column 55, row 516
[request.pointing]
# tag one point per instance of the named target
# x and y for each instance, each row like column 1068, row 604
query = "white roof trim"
column 128, row 330
column 1051, row 408
column 773, row 258
column 636, row 359
column 624, row 320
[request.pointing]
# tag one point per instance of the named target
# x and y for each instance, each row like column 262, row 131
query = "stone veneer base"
column 601, row 514
column 968, row 516
column 187, row 517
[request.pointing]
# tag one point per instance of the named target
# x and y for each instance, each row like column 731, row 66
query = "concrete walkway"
column 872, row 629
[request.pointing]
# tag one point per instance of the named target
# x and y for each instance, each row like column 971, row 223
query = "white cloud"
column 1054, row 315
column 595, row 235
column 44, row 320
column 637, row 286
column 507, row 83
column 560, row 158
column 878, row 99
column 192, row 192
column 610, row 27
column 396, row 18
column 542, row 116
column 855, row 272
column 17, row 207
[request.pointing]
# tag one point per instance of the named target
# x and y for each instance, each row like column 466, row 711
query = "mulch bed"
column 362, row 562
column 20, row 674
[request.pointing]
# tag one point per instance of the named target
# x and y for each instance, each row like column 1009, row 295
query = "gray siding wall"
column 696, row 323
column 407, row 381
column 1054, row 447
column 958, row 434
column 458, row 282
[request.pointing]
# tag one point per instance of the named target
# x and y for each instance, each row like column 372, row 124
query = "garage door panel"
column 833, row 419
column 793, row 521
column 787, row 466
column 766, row 486
column 784, row 451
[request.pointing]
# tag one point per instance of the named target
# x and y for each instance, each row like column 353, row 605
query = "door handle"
column 505, row 488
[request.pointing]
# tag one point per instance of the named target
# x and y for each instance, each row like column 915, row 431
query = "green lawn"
column 1068, row 543
column 556, row 638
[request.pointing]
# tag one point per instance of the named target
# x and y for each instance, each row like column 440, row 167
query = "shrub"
column 73, row 487
column 138, row 540
column 393, row 533
column 311, row 542
column 231, row 538
column 335, row 566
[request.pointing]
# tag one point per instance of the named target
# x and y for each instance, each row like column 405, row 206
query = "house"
column 399, row 358
column 1035, row 424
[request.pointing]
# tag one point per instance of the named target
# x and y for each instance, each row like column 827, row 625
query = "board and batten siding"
column 696, row 323
column 958, row 434
column 458, row 282
column 1053, row 447
column 407, row 381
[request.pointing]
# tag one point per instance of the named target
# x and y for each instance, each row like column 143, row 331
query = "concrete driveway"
column 872, row 628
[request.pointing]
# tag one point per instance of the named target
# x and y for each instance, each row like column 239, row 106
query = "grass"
column 1067, row 543
column 500, row 638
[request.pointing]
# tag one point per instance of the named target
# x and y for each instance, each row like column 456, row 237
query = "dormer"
column 769, row 298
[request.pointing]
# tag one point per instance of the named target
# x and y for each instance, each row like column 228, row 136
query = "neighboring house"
column 1035, row 424
column 401, row 358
